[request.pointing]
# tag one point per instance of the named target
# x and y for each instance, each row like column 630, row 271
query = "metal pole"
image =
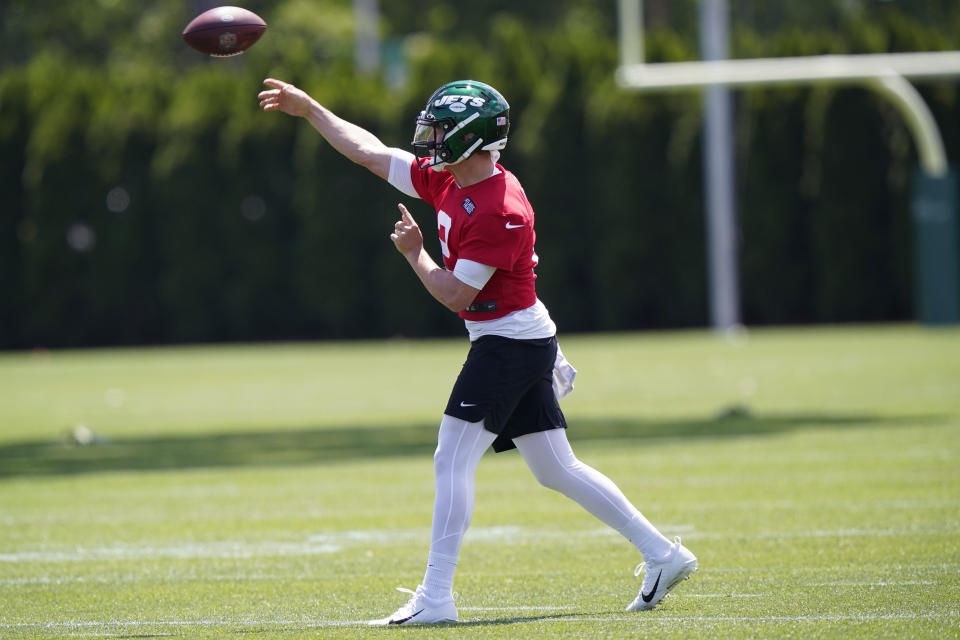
column 630, row 20
column 366, row 15
column 926, row 133
column 719, row 175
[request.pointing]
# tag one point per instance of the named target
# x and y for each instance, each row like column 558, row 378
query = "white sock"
column 651, row 544
column 438, row 578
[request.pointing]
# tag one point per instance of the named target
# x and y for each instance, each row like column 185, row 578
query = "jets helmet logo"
column 459, row 103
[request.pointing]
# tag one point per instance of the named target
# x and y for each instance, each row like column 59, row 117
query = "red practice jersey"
column 490, row 222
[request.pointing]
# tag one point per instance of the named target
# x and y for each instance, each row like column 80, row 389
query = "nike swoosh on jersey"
column 514, row 226
column 467, row 404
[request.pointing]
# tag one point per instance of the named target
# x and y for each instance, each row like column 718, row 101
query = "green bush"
column 146, row 199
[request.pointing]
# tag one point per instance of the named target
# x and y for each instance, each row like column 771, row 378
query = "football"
column 224, row 31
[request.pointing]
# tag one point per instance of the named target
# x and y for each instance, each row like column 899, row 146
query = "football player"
column 506, row 395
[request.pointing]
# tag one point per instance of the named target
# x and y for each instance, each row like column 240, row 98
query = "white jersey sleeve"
column 473, row 273
column 400, row 163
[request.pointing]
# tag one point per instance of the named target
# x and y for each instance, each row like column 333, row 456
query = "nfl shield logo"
column 469, row 207
column 227, row 41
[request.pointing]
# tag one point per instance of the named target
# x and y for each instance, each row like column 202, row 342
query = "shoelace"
column 640, row 567
column 416, row 595
column 411, row 606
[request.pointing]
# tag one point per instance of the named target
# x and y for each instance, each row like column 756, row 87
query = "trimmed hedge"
column 146, row 199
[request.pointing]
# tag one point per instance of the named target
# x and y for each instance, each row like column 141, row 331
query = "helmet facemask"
column 439, row 140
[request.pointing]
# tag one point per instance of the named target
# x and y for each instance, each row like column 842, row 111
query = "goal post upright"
column 937, row 271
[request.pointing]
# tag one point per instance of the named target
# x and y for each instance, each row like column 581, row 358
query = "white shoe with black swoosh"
column 420, row 610
column 662, row 576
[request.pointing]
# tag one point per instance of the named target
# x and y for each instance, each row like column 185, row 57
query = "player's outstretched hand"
column 406, row 234
column 284, row 97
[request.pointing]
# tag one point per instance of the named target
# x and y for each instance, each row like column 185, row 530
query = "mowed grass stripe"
column 834, row 373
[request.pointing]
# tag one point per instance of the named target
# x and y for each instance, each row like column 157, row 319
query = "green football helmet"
column 460, row 118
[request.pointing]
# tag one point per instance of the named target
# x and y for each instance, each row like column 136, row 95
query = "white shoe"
column 420, row 610
column 663, row 575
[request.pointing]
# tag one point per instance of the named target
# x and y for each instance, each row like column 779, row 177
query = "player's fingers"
column 406, row 215
column 273, row 82
column 286, row 89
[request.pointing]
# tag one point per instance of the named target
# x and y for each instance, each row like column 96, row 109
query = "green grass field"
column 283, row 491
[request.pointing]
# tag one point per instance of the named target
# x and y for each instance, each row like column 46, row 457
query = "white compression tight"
column 461, row 444
column 550, row 458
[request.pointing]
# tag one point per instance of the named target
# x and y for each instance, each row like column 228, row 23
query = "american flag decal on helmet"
column 501, row 120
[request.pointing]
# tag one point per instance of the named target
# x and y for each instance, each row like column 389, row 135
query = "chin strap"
column 494, row 155
column 463, row 156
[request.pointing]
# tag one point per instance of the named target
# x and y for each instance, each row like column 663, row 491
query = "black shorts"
column 509, row 385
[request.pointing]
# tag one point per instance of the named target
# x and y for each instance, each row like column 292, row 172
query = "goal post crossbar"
column 787, row 70
column 885, row 72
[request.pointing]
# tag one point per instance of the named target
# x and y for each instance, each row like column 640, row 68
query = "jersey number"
column 444, row 222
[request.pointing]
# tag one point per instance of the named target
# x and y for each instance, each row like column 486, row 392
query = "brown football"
column 224, row 31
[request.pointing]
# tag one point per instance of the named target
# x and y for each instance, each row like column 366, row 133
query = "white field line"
column 336, row 542
column 113, row 579
column 185, row 550
column 721, row 595
column 880, row 583
column 141, row 517
column 209, row 623
column 202, row 577
column 858, row 532
column 47, row 580
column 949, row 568
column 317, row 544
column 517, row 608
column 806, row 618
